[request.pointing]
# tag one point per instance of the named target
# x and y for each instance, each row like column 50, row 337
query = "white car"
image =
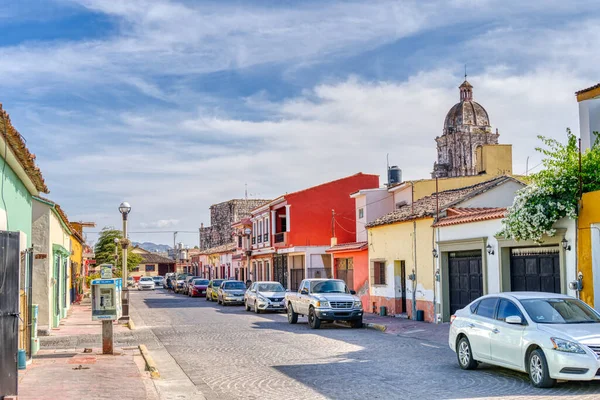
column 549, row 336
column 265, row 296
column 146, row 283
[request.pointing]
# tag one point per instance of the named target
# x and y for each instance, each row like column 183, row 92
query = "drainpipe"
column 414, row 292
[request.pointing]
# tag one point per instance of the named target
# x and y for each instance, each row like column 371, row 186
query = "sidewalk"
column 69, row 372
column 408, row 328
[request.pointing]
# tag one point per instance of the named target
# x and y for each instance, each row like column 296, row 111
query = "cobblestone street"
column 232, row 354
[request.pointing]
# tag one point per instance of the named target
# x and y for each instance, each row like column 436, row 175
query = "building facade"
column 52, row 263
column 589, row 115
column 222, row 215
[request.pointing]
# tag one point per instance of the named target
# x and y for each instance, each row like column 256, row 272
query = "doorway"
column 400, row 282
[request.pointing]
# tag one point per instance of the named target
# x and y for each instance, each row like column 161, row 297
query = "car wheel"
column 246, row 306
column 256, row 309
column 465, row 355
column 313, row 321
column 357, row 324
column 292, row 316
column 538, row 370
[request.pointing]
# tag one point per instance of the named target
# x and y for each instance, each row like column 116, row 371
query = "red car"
column 198, row 288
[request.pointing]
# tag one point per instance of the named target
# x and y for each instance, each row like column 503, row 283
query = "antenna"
column 387, row 157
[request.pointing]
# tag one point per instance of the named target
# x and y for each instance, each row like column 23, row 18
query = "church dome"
column 467, row 112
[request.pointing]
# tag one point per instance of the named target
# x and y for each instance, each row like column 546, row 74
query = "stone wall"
column 222, row 215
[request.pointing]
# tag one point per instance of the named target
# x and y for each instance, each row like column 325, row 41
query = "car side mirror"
column 514, row 320
column 304, row 291
column 353, row 292
column 287, row 290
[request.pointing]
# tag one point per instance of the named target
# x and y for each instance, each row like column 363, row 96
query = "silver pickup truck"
column 324, row 300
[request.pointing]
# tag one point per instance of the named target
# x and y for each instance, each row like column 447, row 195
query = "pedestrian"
column 248, row 283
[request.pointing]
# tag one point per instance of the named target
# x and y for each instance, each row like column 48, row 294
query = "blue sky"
column 176, row 105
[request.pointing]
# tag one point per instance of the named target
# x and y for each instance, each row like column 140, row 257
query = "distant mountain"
column 153, row 246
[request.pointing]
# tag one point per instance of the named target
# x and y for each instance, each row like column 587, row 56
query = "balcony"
column 266, row 237
column 280, row 239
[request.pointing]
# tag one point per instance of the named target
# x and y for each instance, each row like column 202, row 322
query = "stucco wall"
column 589, row 218
column 360, row 272
column 393, row 242
column 500, row 196
column 16, row 215
column 42, row 273
column 589, row 121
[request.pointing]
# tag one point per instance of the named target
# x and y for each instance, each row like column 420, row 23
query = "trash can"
column 420, row 315
column 383, row 311
column 22, row 359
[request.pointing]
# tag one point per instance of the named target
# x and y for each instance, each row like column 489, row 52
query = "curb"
column 150, row 364
column 378, row 327
column 130, row 324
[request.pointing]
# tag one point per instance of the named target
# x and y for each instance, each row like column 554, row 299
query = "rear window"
column 201, row 282
column 234, row 285
column 487, row 307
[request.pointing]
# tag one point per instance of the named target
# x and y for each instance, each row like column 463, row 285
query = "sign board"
column 106, row 299
column 106, row 271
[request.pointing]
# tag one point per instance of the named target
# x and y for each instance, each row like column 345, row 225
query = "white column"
column 273, row 222
column 287, row 217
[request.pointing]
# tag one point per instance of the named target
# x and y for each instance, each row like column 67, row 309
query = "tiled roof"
column 457, row 216
column 347, row 247
column 426, row 207
column 18, row 147
column 153, row 258
column 596, row 86
column 220, row 249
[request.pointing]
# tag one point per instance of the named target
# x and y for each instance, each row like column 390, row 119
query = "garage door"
column 535, row 269
column 466, row 278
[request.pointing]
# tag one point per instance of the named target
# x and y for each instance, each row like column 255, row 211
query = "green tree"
column 105, row 251
column 554, row 191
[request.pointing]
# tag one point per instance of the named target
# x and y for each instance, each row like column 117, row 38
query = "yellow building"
column 588, row 248
column 77, row 278
column 152, row 264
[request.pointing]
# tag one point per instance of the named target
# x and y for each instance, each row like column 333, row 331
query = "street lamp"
column 125, row 209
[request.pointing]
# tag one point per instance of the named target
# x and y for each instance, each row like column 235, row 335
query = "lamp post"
column 124, row 209
column 248, row 231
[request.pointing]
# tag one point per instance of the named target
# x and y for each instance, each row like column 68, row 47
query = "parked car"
column 231, row 292
column 146, row 283
column 187, row 281
column 198, row 288
column 179, row 281
column 158, row 280
column 324, row 300
column 211, row 289
column 130, row 281
column 265, row 296
column 549, row 336
column 169, row 277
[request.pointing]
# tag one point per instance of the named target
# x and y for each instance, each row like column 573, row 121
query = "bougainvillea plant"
column 553, row 193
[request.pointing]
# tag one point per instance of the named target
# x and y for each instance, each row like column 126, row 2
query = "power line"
column 99, row 232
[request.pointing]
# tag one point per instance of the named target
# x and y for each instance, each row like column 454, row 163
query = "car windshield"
column 234, row 285
column 145, row 279
column 559, row 311
column 217, row 283
column 270, row 287
column 329, row 287
column 157, row 278
column 181, row 277
column 201, row 282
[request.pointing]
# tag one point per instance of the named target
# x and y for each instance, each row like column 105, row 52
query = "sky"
column 177, row 105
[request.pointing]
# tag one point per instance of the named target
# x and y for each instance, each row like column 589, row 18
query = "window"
column 240, row 241
column 135, row 269
column 254, row 233
column 487, row 307
column 260, row 229
column 150, row 268
column 361, row 213
column 267, row 226
column 508, row 309
column 379, row 273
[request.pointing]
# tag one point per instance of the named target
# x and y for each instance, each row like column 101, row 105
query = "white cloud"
column 161, row 223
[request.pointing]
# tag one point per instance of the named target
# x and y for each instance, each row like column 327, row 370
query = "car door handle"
column 471, row 326
column 495, row 330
